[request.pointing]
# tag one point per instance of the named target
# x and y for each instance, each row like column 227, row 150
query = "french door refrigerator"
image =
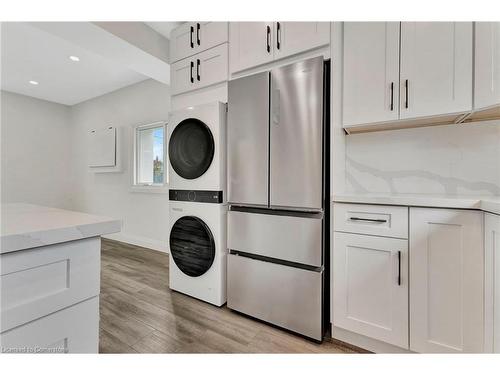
column 278, row 163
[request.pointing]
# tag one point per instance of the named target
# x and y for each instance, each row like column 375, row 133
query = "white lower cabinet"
column 446, row 281
column 492, row 282
column 72, row 330
column 370, row 278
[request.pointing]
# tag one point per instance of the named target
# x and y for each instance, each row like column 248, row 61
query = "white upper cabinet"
column 295, row 37
column 487, row 65
column 201, row 70
column 446, row 281
column 406, row 74
column 256, row 43
column 371, row 72
column 194, row 37
column 251, row 44
column 370, row 286
column 436, row 68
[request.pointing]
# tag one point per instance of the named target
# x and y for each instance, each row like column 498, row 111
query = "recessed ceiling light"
column 74, row 58
column 34, row 83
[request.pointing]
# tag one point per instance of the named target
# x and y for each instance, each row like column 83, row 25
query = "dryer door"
column 192, row 245
column 191, row 148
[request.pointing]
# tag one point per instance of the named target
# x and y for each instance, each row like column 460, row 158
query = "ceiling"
column 31, row 53
column 163, row 28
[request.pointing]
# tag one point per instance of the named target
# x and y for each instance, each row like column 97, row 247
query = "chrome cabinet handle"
column 192, row 66
column 399, row 267
column 198, row 69
column 191, row 37
column 407, row 100
column 268, row 39
column 371, row 220
column 278, row 35
column 198, row 33
column 392, row 96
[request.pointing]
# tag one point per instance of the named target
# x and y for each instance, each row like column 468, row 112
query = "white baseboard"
column 139, row 241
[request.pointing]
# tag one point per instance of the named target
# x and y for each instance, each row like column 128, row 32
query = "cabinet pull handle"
column 268, row 39
column 406, row 94
column 198, row 33
column 191, row 37
column 399, row 267
column 278, row 35
column 192, row 66
column 371, row 220
column 392, row 96
column 198, row 69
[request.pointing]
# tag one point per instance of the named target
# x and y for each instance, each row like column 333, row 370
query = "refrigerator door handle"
column 276, row 106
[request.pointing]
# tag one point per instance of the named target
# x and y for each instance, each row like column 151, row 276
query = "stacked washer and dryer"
column 198, row 209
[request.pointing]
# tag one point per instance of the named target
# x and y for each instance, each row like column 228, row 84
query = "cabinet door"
column 250, row 44
column 487, row 65
column 446, row 281
column 183, row 76
column 194, row 37
column 436, row 68
column 370, row 286
column 295, row 37
column 210, row 34
column 492, row 282
column 371, row 72
column 182, row 42
column 211, row 66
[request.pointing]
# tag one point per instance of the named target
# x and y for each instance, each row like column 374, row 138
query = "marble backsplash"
column 452, row 160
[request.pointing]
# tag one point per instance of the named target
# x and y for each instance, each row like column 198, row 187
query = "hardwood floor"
column 140, row 314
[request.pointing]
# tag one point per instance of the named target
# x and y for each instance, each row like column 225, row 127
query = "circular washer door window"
column 192, row 246
column 191, row 148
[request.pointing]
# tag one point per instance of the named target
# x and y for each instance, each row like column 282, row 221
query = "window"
column 150, row 154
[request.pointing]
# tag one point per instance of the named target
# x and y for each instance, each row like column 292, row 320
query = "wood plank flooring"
column 140, row 314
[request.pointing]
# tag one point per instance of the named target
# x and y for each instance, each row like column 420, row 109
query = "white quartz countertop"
column 24, row 226
column 488, row 204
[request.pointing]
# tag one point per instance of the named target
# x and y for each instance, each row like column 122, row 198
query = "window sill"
column 149, row 189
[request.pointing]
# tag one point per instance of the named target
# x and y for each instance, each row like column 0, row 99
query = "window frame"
column 149, row 188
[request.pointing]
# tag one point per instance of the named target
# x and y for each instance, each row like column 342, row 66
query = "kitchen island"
column 50, row 279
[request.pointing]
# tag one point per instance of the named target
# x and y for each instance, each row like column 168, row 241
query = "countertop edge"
column 30, row 240
column 470, row 203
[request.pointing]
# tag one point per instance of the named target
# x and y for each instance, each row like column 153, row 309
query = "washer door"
column 191, row 148
column 192, row 246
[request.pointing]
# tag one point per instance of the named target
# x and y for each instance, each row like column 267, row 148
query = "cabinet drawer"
column 290, row 238
column 37, row 282
column 71, row 330
column 193, row 37
column 286, row 296
column 388, row 221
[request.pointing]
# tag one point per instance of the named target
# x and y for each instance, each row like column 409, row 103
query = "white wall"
column 144, row 215
column 454, row 159
column 35, row 151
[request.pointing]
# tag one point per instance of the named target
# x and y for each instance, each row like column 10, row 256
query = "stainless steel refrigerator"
column 278, row 163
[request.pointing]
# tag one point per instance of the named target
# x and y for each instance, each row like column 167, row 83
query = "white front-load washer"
column 197, row 248
column 196, row 149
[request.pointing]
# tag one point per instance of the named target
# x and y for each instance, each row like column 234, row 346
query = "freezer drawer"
column 289, row 238
column 285, row 296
